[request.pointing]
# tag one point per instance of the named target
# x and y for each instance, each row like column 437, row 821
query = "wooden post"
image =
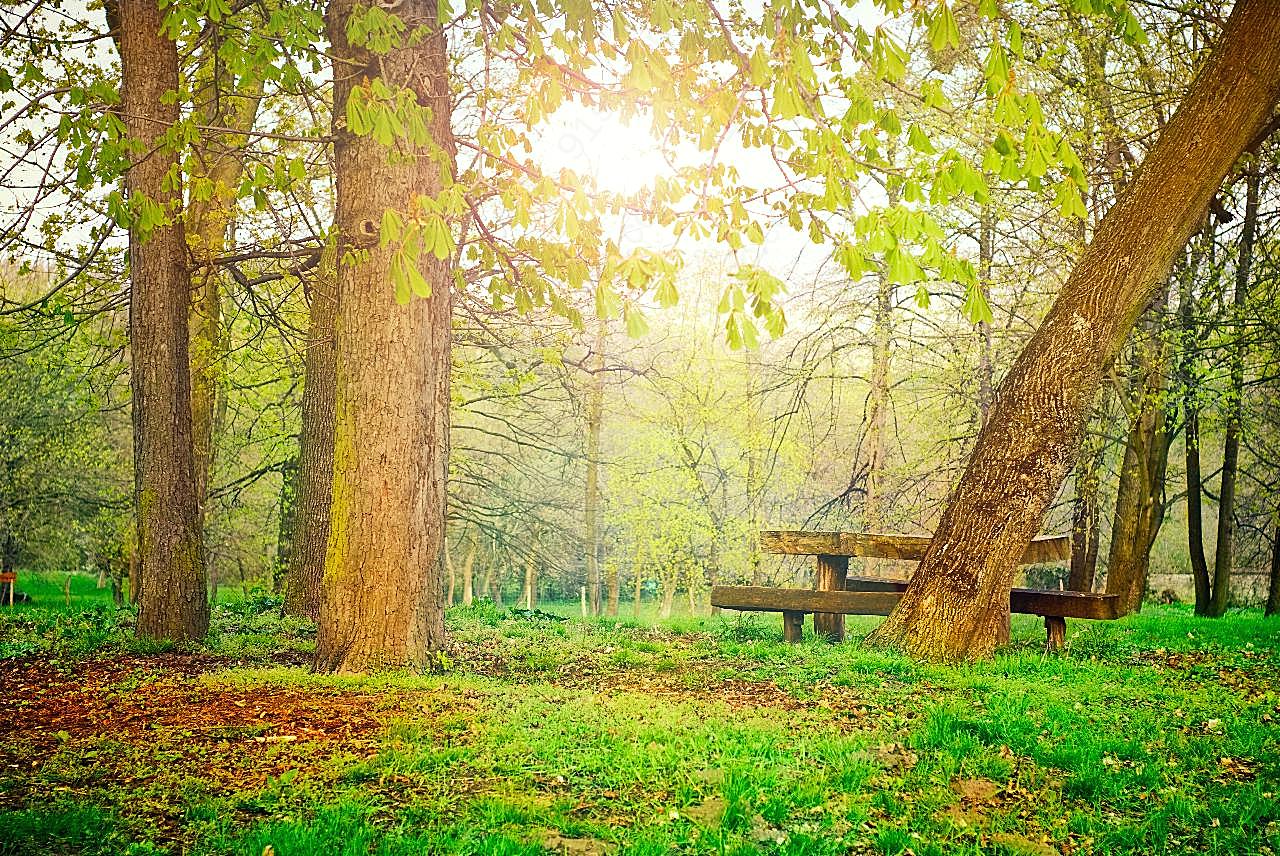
column 792, row 626
column 1055, row 631
column 832, row 571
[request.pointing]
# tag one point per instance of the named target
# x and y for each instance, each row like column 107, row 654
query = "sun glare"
column 621, row 157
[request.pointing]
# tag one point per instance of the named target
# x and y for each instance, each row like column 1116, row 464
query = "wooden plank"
column 874, row 545
column 832, row 571
column 769, row 599
column 1063, row 604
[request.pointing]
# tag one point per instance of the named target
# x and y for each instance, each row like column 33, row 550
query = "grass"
column 1156, row 734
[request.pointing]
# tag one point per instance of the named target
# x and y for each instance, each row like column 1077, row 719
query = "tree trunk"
column 216, row 170
column 530, row 579
column 173, row 598
column 286, row 512
column 1273, row 587
column 958, row 599
column 1139, row 508
column 878, row 409
column 1195, row 517
column 753, row 485
column 314, row 486
column 595, row 420
column 495, row 583
column 1191, row 413
column 468, row 576
column 1224, row 552
column 452, row 577
column 1085, row 532
column 635, row 600
column 668, row 599
column 986, row 363
column 380, row 607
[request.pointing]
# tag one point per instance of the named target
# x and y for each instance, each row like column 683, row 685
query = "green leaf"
column 943, row 30
column 635, row 321
column 919, row 140
column 976, row 308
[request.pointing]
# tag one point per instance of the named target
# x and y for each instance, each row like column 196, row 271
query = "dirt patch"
column 133, row 698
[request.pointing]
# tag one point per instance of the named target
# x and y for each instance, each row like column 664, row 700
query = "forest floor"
column 540, row 734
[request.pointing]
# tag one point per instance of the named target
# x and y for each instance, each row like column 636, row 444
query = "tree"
column 957, row 604
column 173, row 600
column 314, row 491
column 381, row 602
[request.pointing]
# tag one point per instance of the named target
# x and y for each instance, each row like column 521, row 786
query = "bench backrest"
column 874, row 545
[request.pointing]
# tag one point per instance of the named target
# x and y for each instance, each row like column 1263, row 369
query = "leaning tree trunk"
column 958, row 600
column 1224, row 552
column 1139, row 508
column 380, row 607
column 174, row 601
column 314, row 480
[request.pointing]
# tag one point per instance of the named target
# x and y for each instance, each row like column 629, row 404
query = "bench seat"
column 874, row 596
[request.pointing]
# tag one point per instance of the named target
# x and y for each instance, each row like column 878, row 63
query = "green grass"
column 1156, row 734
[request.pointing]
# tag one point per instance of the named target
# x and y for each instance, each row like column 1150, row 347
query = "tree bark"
column 1139, row 509
column 591, row 510
column 380, row 607
column 314, row 486
column 1224, row 552
column 173, row 598
column 958, row 599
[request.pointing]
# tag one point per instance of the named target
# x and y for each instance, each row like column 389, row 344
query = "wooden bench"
column 836, row 594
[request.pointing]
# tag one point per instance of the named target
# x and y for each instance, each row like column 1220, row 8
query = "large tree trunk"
column 595, row 421
column 314, row 485
column 380, row 607
column 958, row 599
column 1224, row 552
column 1139, row 509
column 173, row 598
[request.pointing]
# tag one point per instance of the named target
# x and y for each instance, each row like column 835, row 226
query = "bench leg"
column 1055, row 632
column 831, row 576
column 792, row 626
